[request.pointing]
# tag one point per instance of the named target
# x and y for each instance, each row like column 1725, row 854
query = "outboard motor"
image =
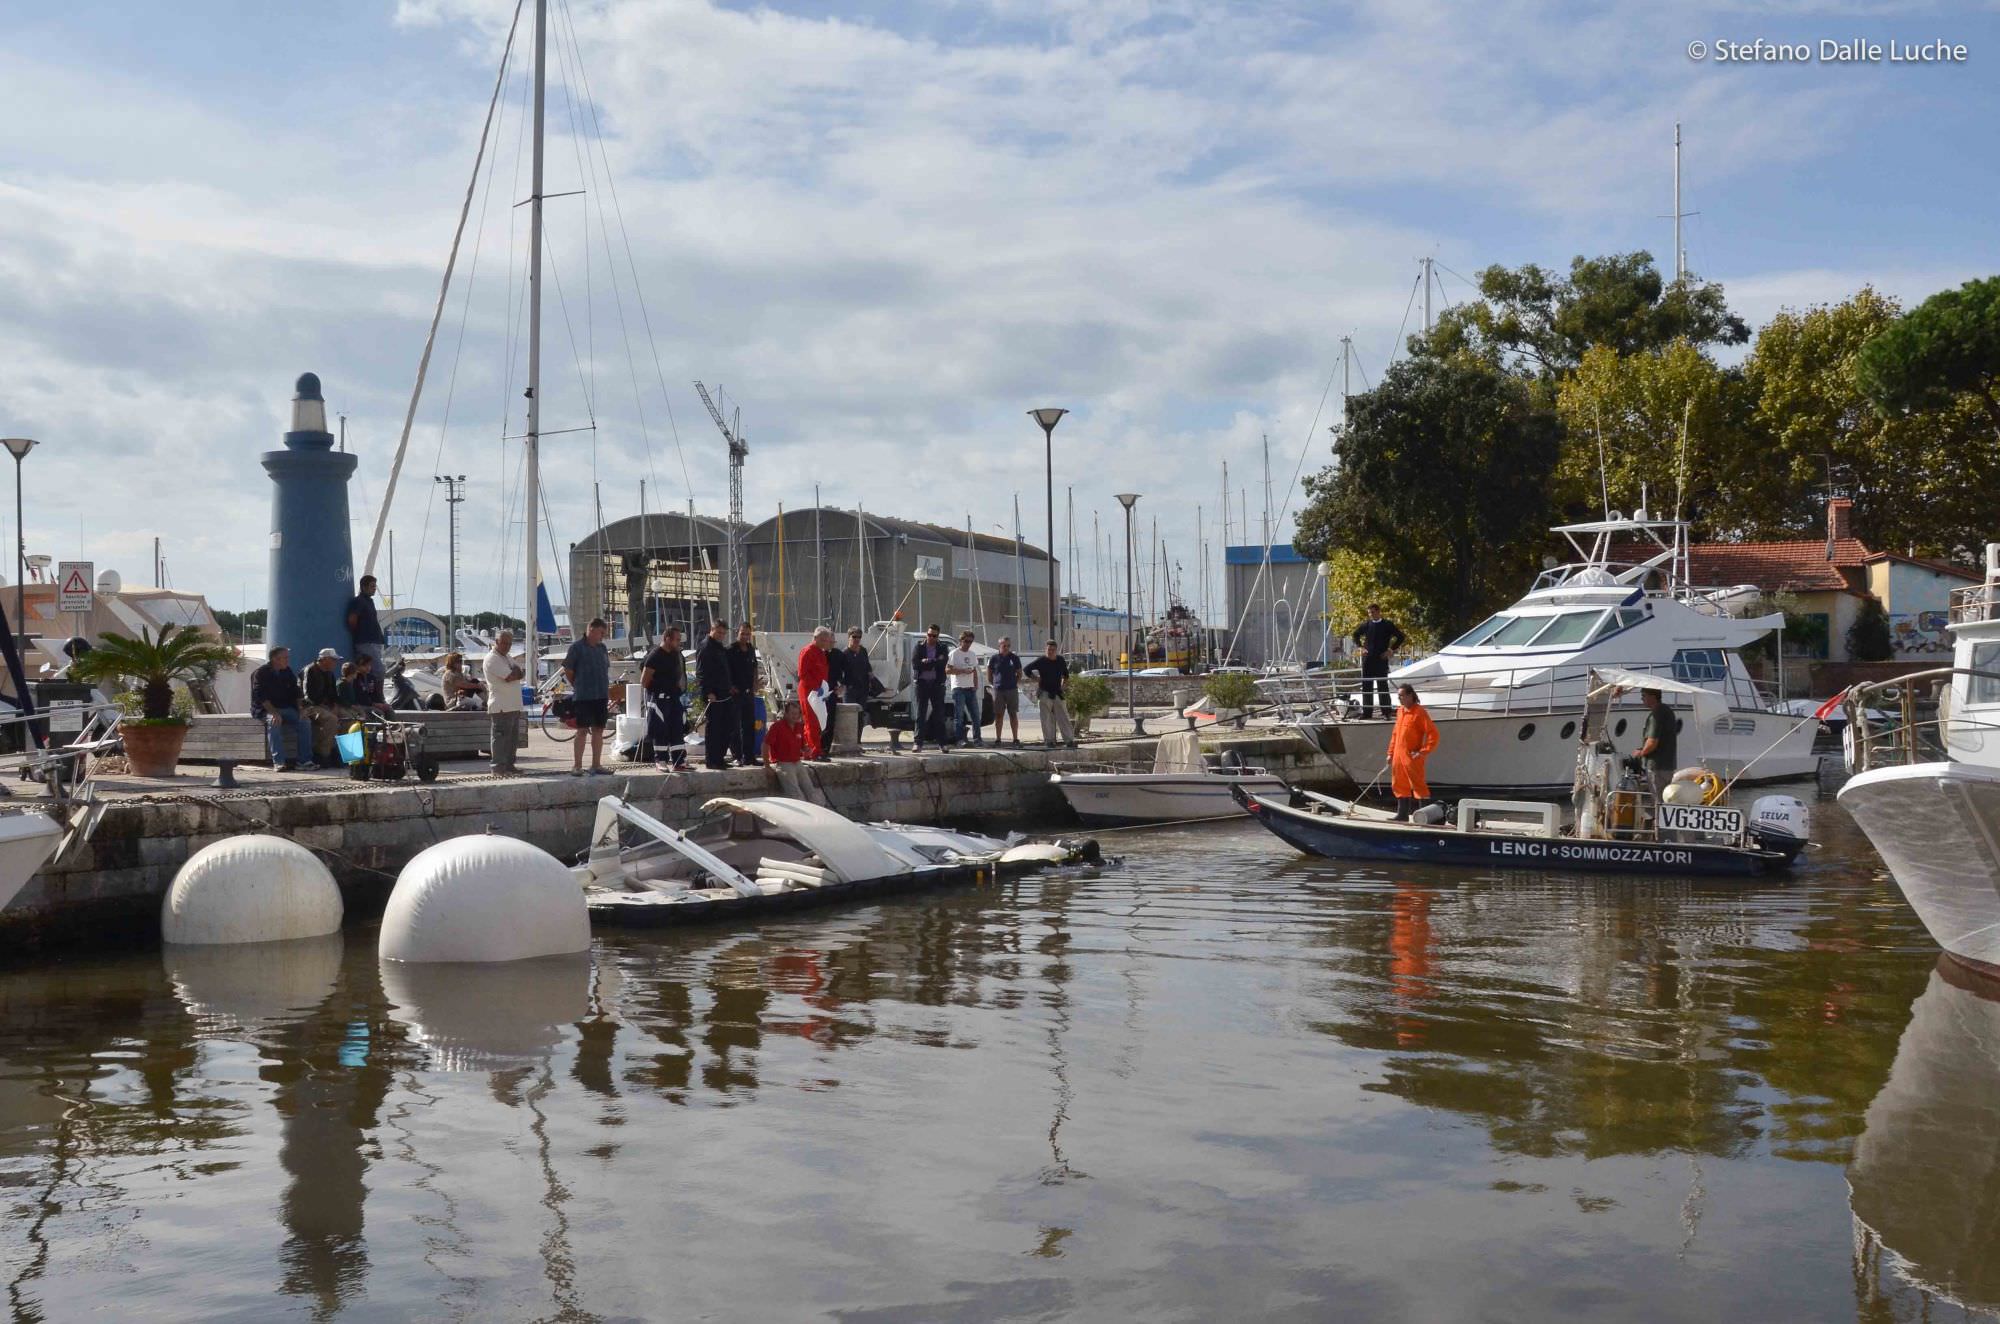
column 1780, row 823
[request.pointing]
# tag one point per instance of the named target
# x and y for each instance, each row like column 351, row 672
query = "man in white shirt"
column 503, row 703
column 962, row 667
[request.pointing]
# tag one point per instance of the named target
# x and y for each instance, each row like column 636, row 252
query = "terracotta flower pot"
column 152, row 749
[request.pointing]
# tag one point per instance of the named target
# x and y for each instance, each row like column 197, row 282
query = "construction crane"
column 736, row 605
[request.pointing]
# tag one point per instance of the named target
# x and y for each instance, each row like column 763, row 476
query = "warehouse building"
column 809, row 567
column 1277, row 616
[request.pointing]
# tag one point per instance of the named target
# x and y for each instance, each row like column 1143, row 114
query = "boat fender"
column 1430, row 813
column 484, row 898
column 253, row 888
column 1781, row 819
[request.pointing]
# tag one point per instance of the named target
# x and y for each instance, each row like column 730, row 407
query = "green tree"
column 1354, row 579
column 1947, row 346
column 1868, row 639
column 1442, row 475
column 1544, row 322
column 1628, row 414
column 1925, row 481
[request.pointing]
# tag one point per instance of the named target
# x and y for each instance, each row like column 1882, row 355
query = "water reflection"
column 1218, row 1082
column 1926, row 1176
column 489, row 1017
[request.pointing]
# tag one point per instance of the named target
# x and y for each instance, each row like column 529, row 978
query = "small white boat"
column 749, row 857
column 1183, row 784
column 26, row 842
column 1926, row 788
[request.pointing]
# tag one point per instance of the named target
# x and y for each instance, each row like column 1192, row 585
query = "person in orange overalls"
column 814, row 690
column 1415, row 736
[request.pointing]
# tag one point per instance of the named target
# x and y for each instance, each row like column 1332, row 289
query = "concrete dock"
column 109, row 887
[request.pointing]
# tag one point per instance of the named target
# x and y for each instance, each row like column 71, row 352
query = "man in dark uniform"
column 836, row 681
column 927, row 668
column 743, row 693
column 663, row 678
column 711, row 675
column 1377, row 637
column 857, row 676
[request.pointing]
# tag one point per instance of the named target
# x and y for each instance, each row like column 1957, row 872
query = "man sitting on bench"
column 276, row 697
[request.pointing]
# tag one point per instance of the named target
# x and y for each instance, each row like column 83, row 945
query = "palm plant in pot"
column 152, row 663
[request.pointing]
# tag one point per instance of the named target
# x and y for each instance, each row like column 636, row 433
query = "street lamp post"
column 1048, row 418
column 18, row 447
column 1128, row 500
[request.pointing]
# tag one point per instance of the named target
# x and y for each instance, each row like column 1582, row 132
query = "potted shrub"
column 152, row 663
column 1087, row 697
column 1231, row 693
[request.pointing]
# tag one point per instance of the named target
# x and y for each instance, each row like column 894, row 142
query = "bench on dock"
column 231, row 738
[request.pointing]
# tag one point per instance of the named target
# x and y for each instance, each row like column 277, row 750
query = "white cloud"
column 887, row 241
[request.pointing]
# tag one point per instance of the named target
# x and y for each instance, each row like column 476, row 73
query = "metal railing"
column 1918, row 719
column 1500, row 692
column 1980, row 602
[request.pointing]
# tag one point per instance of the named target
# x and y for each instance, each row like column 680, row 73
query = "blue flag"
column 545, row 614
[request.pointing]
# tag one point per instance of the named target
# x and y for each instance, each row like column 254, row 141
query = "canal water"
column 1217, row 1081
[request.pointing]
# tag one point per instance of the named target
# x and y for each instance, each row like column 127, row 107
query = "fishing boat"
column 754, row 857
column 1183, row 784
column 1926, row 783
column 1507, row 695
column 1616, row 828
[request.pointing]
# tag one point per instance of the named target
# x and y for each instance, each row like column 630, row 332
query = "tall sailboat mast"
column 533, row 483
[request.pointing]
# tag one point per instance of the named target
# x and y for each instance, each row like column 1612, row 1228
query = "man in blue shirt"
column 363, row 628
column 1004, row 670
column 275, row 696
column 587, row 668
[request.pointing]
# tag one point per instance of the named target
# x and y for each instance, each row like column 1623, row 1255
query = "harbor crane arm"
column 738, row 448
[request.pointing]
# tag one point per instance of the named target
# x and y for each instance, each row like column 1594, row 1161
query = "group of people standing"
column 948, row 693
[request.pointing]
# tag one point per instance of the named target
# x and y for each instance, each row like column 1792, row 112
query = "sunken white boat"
column 1183, row 784
column 1508, row 694
column 753, row 857
column 1926, row 784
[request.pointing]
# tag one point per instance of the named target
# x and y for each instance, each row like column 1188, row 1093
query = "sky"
column 886, row 230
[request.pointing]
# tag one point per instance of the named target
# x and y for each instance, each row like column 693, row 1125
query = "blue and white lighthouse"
column 312, row 554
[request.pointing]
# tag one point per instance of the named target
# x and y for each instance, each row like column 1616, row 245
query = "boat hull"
column 1333, row 837
column 1116, row 798
column 1536, row 754
column 650, row 910
column 1937, row 827
column 26, row 842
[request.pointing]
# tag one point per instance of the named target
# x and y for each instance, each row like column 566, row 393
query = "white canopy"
column 1178, row 751
column 1708, row 705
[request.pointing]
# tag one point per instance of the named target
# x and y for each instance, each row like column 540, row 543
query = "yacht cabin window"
column 1629, row 617
column 1518, row 630
column 1572, row 627
column 1700, row 666
column 1477, row 634
column 1982, row 689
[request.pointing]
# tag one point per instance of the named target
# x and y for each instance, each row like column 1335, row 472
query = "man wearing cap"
column 323, row 704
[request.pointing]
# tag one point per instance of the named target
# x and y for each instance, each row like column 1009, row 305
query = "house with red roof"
column 1831, row 577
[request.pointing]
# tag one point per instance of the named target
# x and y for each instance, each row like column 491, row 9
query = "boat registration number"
column 1711, row 819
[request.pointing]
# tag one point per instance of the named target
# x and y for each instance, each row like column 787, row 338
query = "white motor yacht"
column 1926, row 787
column 1508, row 695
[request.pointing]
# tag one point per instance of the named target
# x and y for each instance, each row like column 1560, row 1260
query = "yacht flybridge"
column 1508, row 694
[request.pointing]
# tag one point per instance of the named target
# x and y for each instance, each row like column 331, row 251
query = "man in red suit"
column 784, row 739
column 815, row 695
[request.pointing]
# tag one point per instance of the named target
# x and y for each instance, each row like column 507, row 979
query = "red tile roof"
column 1928, row 563
column 1777, row 567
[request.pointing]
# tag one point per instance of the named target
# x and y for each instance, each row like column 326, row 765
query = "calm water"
column 1220, row 1082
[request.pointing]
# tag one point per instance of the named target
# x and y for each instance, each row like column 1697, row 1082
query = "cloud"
column 887, row 234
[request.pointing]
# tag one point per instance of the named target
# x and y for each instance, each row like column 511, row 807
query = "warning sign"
column 73, row 581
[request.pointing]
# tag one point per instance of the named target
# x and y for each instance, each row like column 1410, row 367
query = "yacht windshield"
column 1572, row 627
column 1517, row 630
column 1477, row 634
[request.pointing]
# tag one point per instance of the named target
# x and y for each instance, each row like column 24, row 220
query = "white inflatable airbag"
column 250, row 889
column 484, row 898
